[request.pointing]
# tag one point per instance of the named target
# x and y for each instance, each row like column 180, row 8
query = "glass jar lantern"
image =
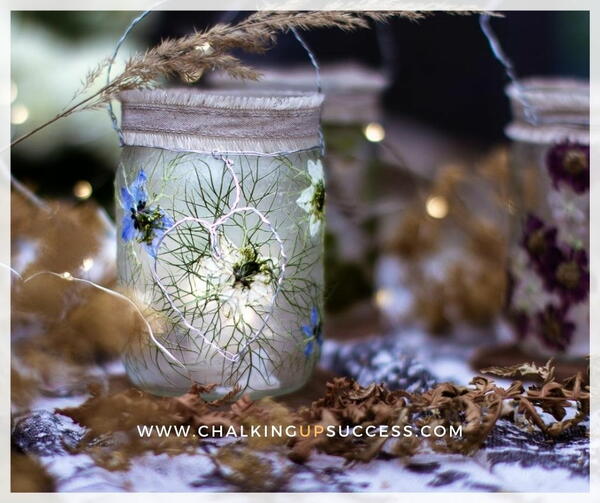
column 549, row 260
column 220, row 206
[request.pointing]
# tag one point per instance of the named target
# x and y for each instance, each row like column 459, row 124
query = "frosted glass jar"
column 549, row 260
column 220, row 206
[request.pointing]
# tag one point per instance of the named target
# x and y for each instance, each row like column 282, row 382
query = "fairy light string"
column 67, row 276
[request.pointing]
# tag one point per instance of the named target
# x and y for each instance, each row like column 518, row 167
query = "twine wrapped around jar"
column 220, row 203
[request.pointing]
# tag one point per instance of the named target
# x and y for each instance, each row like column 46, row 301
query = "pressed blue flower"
column 312, row 333
column 145, row 223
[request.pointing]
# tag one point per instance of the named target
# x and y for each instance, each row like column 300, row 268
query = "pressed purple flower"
column 538, row 239
column 564, row 270
column 554, row 329
column 569, row 163
column 145, row 223
column 572, row 276
column 540, row 243
column 312, row 333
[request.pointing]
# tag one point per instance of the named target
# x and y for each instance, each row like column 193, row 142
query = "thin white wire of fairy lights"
column 212, row 228
column 67, row 276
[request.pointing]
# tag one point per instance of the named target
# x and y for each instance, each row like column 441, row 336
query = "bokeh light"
column 383, row 298
column 437, row 207
column 19, row 114
column 82, row 189
column 374, row 132
column 87, row 264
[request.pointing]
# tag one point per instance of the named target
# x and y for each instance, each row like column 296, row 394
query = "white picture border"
column 137, row 5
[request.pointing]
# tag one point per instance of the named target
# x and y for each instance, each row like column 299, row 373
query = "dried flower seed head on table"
column 476, row 408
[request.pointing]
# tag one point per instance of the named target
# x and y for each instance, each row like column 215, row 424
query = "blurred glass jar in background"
column 352, row 128
column 548, row 302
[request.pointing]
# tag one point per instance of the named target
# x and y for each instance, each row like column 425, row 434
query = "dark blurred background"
column 442, row 71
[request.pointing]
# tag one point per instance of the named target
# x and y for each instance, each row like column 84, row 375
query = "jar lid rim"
column 347, row 77
column 547, row 91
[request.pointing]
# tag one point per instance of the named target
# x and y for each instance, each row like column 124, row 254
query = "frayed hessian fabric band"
column 561, row 106
column 224, row 121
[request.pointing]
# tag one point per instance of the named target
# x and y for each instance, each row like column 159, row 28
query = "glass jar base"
column 220, row 392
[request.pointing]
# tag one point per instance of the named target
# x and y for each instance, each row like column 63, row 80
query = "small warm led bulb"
column 374, row 132
column 383, row 298
column 437, row 207
column 82, row 189
column 19, row 114
column 87, row 264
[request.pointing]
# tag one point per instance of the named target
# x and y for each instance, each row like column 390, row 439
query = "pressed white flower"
column 529, row 294
column 569, row 211
column 312, row 199
column 240, row 284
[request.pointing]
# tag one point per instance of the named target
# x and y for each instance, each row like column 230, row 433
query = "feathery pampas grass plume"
column 188, row 57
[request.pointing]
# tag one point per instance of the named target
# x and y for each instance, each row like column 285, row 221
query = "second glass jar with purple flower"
column 549, row 260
